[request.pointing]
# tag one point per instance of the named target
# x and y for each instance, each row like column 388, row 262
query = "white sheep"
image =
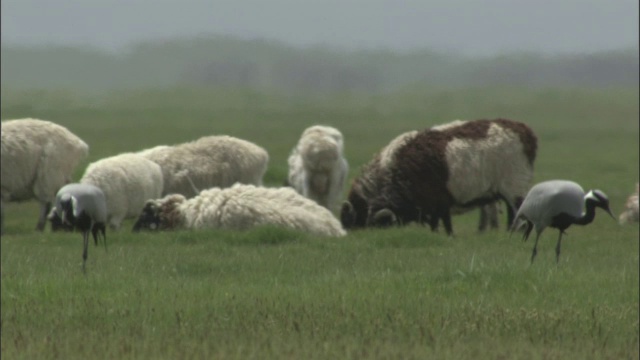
column 630, row 213
column 127, row 181
column 317, row 167
column 239, row 207
column 210, row 161
column 38, row 158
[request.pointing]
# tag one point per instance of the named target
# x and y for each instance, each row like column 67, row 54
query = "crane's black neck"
column 589, row 214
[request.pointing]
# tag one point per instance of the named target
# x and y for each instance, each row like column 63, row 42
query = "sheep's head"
column 382, row 218
column 160, row 214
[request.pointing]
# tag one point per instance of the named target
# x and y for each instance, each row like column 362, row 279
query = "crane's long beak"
column 610, row 213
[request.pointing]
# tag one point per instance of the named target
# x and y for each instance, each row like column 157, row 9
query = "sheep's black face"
column 353, row 213
column 149, row 219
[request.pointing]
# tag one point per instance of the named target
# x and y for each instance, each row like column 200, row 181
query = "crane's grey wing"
column 550, row 198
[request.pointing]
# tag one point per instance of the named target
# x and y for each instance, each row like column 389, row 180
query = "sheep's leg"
column 511, row 210
column 85, row 238
column 493, row 214
column 433, row 222
column 482, row 225
column 446, row 220
column 1, row 217
column 44, row 211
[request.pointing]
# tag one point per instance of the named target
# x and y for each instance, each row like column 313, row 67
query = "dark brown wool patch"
column 170, row 218
column 527, row 137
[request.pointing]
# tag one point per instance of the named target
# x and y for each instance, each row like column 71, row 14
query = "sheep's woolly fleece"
column 631, row 213
column 38, row 157
column 317, row 167
column 128, row 181
column 245, row 206
column 210, row 161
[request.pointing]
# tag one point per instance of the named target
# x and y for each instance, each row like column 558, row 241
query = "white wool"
column 127, row 181
column 448, row 125
column 38, row 158
column 242, row 207
column 631, row 212
column 387, row 154
column 317, row 167
column 484, row 167
column 210, row 161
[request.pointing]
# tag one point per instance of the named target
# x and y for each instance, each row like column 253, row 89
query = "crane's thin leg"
column 85, row 238
column 527, row 231
column 535, row 247
column 558, row 247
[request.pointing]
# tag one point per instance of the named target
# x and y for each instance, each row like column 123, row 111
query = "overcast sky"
column 470, row 26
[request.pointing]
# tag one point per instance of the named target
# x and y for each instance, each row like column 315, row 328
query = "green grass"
column 273, row 293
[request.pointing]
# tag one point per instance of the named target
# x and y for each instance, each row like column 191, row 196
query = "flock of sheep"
column 216, row 181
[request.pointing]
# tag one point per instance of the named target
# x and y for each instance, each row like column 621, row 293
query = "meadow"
column 271, row 293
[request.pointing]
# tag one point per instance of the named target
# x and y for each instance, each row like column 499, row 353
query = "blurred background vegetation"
column 267, row 65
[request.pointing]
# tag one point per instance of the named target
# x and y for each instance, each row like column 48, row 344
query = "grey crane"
column 83, row 207
column 558, row 204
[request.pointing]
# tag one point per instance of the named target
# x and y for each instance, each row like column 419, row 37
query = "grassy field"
column 270, row 293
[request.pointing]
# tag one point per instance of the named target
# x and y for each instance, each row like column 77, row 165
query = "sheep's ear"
column 385, row 217
column 347, row 215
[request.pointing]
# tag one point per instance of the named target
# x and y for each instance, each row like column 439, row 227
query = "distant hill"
column 269, row 65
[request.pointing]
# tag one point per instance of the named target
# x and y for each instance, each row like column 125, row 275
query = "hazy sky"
column 468, row 26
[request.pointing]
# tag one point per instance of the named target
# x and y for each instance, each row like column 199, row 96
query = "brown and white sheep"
column 426, row 175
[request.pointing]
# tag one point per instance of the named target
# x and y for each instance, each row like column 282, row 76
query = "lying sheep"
column 317, row 167
column 211, row 161
column 434, row 171
column 630, row 213
column 38, row 158
column 237, row 208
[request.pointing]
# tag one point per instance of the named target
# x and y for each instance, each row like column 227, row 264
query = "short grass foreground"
column 270, row 293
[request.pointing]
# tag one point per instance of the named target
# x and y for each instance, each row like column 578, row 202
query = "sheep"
column 431, row 172
column 210, row 161
column 630, row 213
column 38, row 158
column 237, row 208
column 488, row 212
column 83, row 206
column 127, row 180
column 317, row 167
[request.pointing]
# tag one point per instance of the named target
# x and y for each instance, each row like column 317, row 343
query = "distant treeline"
column 269, row 65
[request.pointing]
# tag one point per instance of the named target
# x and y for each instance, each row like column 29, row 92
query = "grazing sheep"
column 488, row 212
column 317, row 167
column 237, row 208
column 630, row 213
column 211, row 161
column 38, row 158
column 428, row 173
column 127, row 181
column 84, row 207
